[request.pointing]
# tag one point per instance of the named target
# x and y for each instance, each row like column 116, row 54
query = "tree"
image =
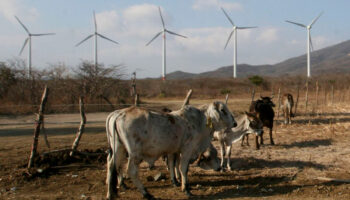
column 7, row 79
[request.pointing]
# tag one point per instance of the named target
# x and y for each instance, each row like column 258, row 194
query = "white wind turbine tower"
column 309, row 45
column 164, row 31
column 29, row 40
column 234, row 32
column 96, row 35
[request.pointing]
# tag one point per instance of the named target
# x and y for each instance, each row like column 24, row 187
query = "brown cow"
column 263, row 108
column 287, row 107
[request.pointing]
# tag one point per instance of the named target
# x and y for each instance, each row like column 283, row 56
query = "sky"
column 134, row 23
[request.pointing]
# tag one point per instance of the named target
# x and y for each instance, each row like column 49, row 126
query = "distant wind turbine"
column 164, row 31
column 96, row 34
column 29, row 40
column 309, row 45
column 234, row 32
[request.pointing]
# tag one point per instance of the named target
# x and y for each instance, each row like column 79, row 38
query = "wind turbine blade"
column 314, row 21
column 298, row 24
column 106, row 38
column 41, row 34
column 161, row 17
column 25, row 28
column 228, row 39
column 24, row 45
column 247, row 27
column 311, row 45
column 88, row 37
column 229, row 19
column 95, row 22
column 175, row 33
column 154, row 38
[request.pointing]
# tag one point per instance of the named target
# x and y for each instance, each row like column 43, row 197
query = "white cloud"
column 268, row 35
column 207, row 4
column 10, row 8
column 108, row 21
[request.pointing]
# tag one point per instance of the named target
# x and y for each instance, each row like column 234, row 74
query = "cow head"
column 267, row 100
column 220, row 116
column 254, row 124
column 209, row 159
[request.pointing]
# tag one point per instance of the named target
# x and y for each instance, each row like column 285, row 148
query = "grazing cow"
column 287, row 107
column 144, row 135
column 247, row 123
column 263, row 108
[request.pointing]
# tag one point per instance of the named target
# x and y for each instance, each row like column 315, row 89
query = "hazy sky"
column 134, row 23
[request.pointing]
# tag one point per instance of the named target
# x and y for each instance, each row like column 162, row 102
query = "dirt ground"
column 314, row 146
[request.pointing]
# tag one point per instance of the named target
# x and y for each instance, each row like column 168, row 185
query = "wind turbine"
column 234, row 32
column 29, row 40
column 309, row 45
column 96, row 35
column 164, row 31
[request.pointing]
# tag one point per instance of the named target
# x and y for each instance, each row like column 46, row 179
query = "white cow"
column 247, row 123
column 144, row 135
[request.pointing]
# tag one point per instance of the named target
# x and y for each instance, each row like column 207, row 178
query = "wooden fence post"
column 296, row 103
column 137, row 100
column 37, row 127
column 81, row 127
column 332, row 100
column 253, row 94
column 316, row 95
column 226, row 99
column 279, row 102
column 325, row 95
column 187, row 99
column 306, row 95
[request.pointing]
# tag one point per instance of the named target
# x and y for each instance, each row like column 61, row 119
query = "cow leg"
column 111, row 179
column 133, row 174
column 222, row 149
column 177, row 167
column 290, row 115
column 247, row 138
column 242, row 140
column 228, row 153
column 171, row 164
column 261, row 139
column 120, row 159
column 257, row 146
column 184, row 169
column 271, row 139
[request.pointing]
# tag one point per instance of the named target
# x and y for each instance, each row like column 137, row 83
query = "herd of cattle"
column 184, row 136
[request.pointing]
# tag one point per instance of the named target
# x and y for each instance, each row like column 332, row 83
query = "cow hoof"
column 188, row 193
column 176, row 183
column 148, row 196
column 123, row 186
column 272, row 143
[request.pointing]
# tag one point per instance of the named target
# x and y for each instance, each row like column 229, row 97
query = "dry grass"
column 315, row 145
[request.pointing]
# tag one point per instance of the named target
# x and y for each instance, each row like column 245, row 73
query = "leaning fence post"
column 306, row 95
column 37, row 127
column 187, row 99
column 81, row 127
column 226, row 99
column 296, row 103
column 279, row 103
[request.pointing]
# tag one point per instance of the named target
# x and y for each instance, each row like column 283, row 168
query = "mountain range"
column 333, row 59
